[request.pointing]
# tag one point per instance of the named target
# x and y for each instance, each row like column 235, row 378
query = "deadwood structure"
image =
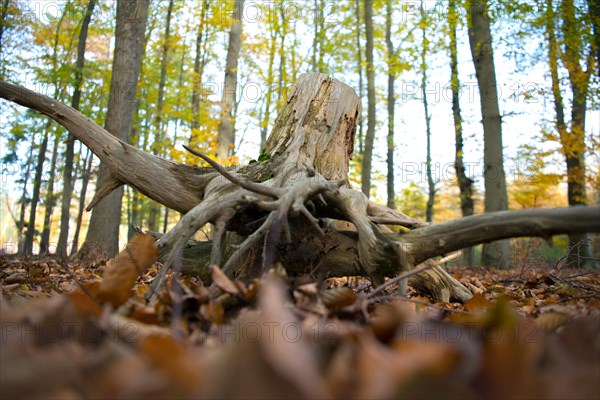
column 295, row 206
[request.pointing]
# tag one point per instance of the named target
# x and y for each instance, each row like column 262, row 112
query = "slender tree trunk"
column 360, row 75
column 282, row 59
column 157, row 146
column 465, row 184
column 50, row 199
column 319, row 36
column 3, row 14
column 166, row 220
column 179, row 91
column 293, row 52
column 21, row 224
column 135, row 209
column 264, row 125
column 368, row 154
column 198, row 70
column 430, row 182
column 65, row 212
column 102, row 239
column 30, row 234
column 496, row 198
column 316, row 36
column 594, row 7
column 573, row 144
column 158, row 121
column 85, row 179
column 321, row 21
column 391, row 191
column 35, row 198
column 226, row 134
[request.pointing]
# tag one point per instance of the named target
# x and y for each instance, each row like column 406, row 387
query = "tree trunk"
column 35, row 198
column 264, row 124
column 50, row 200
column 391, row 191
column 573, row 143
column 85, row 179
column 430, row 182
column 65, row 213
column 282, row 53
column 226, row 134
column 574, row 146
column 282, row 206
column 3, row 14
column 158, row 145
column 198, row 70
column 21, row 225
column 369, row 140
column 102, row 239
column 496, row 198
column 319, row 37
column 359, row 23
column 594, row 7
column 465, row 184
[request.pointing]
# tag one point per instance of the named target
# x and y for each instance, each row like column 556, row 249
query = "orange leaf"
column 123, row 270
column 83, row 298
column 477, row 303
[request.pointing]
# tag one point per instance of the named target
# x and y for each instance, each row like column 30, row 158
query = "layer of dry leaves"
column 84, row 331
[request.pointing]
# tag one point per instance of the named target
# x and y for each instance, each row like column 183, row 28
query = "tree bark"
column 496, row 198
column 573, row 144
column 158, row 145
column 103, row 233
column 465, row 184
column 360, row 74
column 370, row 138
column 86, row 169
column 391, row 100
column 35, row 197
column 63, row 238
column 594, row 7
column 50, row 200
column 264, row 124
column 282, row 31
column 3, row 14
column 226, row 134
column 430, row 182
column 21, row 225
column 198, row 70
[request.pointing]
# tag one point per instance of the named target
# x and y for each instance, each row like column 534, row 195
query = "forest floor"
column 528, row 333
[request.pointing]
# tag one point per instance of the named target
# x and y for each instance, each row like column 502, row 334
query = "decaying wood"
column 282, row 206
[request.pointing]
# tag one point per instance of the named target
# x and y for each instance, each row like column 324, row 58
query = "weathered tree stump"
column 285, row 205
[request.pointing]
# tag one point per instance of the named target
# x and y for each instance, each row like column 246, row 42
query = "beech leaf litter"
column 84, row 330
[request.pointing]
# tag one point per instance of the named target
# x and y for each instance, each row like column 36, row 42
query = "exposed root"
column 211, row 209
column 377, row 254
column 240, row 181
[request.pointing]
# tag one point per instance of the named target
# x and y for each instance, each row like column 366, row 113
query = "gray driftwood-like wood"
column 284, row 207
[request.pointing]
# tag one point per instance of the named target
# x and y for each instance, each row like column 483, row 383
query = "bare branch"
column 244, row 183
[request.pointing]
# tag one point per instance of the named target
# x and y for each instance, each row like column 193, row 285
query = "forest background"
column 181, row 91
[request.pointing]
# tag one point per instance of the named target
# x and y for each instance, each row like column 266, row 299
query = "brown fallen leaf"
column 552, row 320
column 223, row 281
column 337, row 298
column 477, row 303
column 174, row 360
column 123, row 270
